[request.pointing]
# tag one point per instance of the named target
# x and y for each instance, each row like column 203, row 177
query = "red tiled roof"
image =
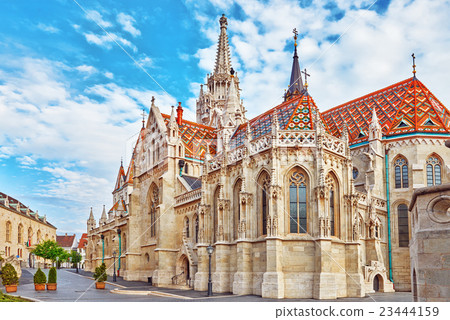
column 402, row 108
column 65, row 241
column 83, row 241
column 195, row 138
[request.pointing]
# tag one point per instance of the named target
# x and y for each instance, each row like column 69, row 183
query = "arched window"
column 38, row 237
column 196, row 228
column 433, row 171
column 403, row 226
column 8, row 231
column 154, row 202
column 20, row 234
column 236, row 207
column 401, row 172
column 297, row 202
column 186, row 227
column 186, row 170
column 333, row 203
column 124, row 243
column 263, row 186
column 30, row 235
column 355, row 173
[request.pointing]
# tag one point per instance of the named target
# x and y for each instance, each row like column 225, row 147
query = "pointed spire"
column 91, row 215
column 374, row 127
column 414, row 65
column 223, row 62
column 296, row 84
column 232, row 103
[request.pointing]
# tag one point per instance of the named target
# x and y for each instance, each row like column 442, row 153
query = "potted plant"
column 100, row 276
column 9, row 278
column 51, row 283
column 39, row 280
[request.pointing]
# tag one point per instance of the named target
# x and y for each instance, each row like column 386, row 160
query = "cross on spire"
column 143, row 117
column 414, row 64
column 295, row 32
column 306, row 79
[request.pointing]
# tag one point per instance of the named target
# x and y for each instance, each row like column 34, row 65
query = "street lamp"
column 70, row 262
column 114, row 259
column 210, row 250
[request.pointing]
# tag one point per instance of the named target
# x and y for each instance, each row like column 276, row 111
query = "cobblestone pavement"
column 80, row 287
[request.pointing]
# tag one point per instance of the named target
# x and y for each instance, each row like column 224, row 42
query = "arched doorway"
column 31, row 260
column 377, row 283
column 185, row 266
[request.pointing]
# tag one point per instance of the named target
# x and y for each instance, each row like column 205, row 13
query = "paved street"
column 79, row 287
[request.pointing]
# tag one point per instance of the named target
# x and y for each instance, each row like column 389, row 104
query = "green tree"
column 75, row 258
column 51, row 250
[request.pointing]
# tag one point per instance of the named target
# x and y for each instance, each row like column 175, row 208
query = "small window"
column 403, row 226
column 433, row 171
column 355, row 173
column 401, row 173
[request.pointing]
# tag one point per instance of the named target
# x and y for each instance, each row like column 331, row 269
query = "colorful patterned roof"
column 297, row 113
column 403, row 108
column 121, row 178
column 116, row 206
column 195, row 138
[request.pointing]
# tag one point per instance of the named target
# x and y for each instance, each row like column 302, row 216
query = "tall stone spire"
column 212, row 101
column 296, row 83
column 223, row 62
column 91, row 223
column 103, row 218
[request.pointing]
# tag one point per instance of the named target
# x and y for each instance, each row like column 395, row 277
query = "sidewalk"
column 141, row 287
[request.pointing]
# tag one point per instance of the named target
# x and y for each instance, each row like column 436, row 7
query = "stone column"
column 221, row 275
column 243, row 278
column 324, row 286
column 201, row 277
column 353, row 268
column 273, row 279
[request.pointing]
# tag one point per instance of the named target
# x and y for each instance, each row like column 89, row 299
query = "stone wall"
column 430, row 243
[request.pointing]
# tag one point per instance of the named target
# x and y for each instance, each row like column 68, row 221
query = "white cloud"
column 88, row 70
column 109, row 75
column 97, row 18
column 80, row 138
column 127, row 22
column 47, row 28
column 145, row 61
column 26, row 161
column 107, row 40
column 374, row 52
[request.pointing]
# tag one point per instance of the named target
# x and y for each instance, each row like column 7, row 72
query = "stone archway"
column 378, row 283
column 182, row 276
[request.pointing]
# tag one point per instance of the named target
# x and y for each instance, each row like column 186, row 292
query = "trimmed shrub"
column 52, row 275
column 100, row 273
column 39, row 277
column 9, row 275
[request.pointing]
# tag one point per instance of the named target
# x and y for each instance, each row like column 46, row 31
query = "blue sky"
column 71, row 99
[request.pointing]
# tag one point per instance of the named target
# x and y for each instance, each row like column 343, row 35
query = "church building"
column 296, row 203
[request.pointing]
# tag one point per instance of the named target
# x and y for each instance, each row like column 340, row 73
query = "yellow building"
column 21, row 229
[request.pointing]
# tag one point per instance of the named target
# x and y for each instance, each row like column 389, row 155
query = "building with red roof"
column 295, row 203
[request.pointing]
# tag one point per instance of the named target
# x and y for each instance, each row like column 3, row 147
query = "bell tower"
column 213, row 102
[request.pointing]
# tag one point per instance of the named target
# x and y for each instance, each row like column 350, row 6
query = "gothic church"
column 296, row 203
